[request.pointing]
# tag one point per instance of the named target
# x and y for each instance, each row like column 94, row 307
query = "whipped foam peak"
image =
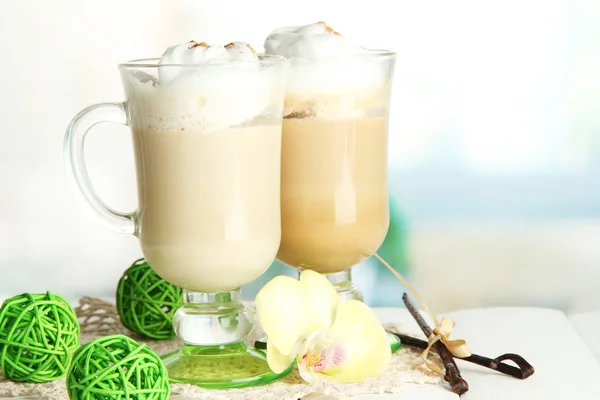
column 196, row 53
column 201, row 53
column 310, row 41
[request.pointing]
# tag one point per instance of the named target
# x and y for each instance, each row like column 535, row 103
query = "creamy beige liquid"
column 334, row 197
column 209, row 204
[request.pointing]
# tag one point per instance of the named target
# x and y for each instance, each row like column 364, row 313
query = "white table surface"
column 540, row 335
column 565, row 352
column 588, row 327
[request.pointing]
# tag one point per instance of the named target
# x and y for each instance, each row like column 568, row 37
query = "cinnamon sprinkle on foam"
column 196, row 44
column 232, row 44
column 328, row 28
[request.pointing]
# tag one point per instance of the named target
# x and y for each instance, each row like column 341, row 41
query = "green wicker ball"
column 38, row 335
column 117, row 367
column 146, row 303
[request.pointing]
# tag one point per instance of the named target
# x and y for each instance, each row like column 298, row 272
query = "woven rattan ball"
column 146, row 303
column 117, row 367
column 38, row 335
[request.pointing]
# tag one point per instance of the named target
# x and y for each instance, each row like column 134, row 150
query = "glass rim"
column 264, row 59
column 153, row 62
column 370, row 53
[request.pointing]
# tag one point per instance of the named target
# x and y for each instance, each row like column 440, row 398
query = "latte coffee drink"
column 334, row 191
column 198, row 207
column 334, row 195
column 207, row 149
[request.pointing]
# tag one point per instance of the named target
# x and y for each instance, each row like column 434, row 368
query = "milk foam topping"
column 209, row 97
column 194, row 53
column 313, row 41
column 330, row 76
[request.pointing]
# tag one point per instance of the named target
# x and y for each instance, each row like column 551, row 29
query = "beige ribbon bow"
column 442, row 331
column 458, row 348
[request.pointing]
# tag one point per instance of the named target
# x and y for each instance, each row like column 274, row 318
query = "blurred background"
column 494, row 140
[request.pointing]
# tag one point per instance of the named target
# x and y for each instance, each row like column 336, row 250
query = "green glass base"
column 228, row 366
column 394, row 342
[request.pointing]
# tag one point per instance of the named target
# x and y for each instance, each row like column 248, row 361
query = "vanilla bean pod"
column 524, row 371
column 457, row 383
column 260, row 345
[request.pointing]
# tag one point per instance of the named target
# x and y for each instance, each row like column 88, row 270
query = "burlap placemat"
column 99, row 318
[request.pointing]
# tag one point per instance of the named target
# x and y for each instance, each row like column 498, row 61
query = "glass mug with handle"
column 207, row 147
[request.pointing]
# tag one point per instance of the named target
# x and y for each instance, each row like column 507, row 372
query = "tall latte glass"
column 207, row 147
column 334, row 192
column 334, row 186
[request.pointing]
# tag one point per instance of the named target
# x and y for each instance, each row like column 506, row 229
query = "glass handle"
column 76, row 169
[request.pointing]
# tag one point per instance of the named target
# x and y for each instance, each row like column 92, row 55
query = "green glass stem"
column 213, row 326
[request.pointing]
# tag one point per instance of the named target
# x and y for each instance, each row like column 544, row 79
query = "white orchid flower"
column 331, row 340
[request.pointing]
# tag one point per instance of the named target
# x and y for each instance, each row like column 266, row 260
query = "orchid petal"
column 358, row 327
column 278, row 362
column 321, row 300
column 281, row 311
